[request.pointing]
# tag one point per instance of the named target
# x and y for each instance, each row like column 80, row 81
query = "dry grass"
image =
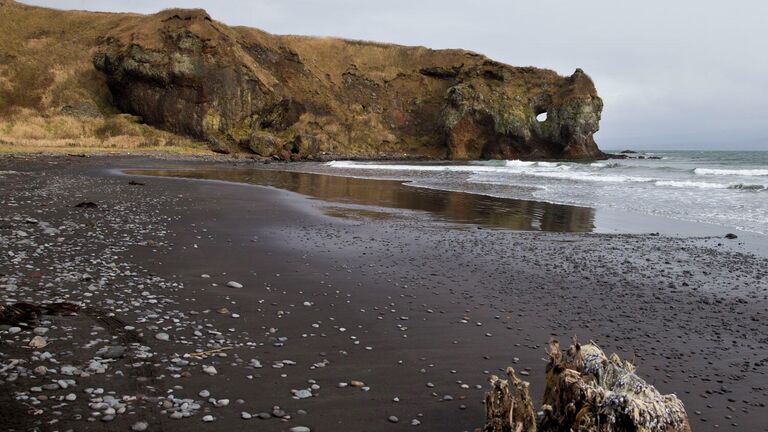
column 46, row 69
column 360, row 93
column 76, row 147
column 28, row 131
column 45, row 53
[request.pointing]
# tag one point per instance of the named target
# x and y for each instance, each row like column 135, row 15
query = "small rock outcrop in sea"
column 585, row 391
column 296, row 97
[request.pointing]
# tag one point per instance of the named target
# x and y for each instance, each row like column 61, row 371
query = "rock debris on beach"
column 342, row 324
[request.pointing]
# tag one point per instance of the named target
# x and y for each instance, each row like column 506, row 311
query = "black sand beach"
column 363, row 312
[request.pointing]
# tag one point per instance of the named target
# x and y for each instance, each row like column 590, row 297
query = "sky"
column 674, row 74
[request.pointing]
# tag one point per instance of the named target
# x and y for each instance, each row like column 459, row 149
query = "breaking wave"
column 691, row 184
column 727, row 189
column 605, row 164
column 732, row 172
column 593, row 172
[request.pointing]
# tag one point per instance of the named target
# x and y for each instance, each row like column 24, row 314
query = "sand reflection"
column 458, row 207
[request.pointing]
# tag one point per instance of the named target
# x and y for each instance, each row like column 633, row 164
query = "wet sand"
column 413, row 305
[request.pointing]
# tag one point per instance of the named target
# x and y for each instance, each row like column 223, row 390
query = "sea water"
column 728, row 188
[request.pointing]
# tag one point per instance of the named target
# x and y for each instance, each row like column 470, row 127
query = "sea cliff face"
column 293, row 97
column 118, row 78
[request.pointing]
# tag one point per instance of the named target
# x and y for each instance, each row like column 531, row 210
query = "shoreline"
column 436, row 302
column 603, row 220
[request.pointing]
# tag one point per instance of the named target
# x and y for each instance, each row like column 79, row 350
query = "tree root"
column 585, row 392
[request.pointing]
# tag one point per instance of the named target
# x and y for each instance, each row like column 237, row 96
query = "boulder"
column 263, row 143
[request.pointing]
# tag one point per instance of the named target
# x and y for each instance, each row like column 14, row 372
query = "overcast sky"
column 672, row 73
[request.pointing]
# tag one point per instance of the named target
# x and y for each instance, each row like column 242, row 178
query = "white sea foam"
column 732, row 172
column 519, row 163
column 552, row 170
column 549, row 164
column 395, row 167
column 723, row 191
column 605, row 164
column 588, row 176
column 691, row 184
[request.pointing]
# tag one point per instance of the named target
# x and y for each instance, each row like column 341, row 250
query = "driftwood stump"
column 585, row 392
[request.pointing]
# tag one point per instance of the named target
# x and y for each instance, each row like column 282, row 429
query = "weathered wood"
column 585, row 392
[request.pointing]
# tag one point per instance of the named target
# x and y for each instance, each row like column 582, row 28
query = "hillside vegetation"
column 51, row 96
column 178, row 78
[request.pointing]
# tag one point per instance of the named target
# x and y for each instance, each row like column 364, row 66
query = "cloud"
column 682, row 74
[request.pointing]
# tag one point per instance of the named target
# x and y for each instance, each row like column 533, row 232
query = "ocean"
column 727, row 188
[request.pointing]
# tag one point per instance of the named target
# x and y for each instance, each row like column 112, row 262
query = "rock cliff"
column 293, row 97
column 101, row 76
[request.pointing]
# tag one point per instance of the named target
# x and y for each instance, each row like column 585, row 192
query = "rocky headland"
column 291, row 97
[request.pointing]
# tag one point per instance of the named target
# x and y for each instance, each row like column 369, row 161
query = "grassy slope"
column 51, row 97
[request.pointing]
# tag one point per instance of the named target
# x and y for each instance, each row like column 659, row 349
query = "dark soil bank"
column 341, row 316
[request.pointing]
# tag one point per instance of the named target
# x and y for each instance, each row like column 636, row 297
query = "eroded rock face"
column 298, row 97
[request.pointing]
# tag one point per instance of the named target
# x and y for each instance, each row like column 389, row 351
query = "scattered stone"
column 38, row 342
column 111, row 352
column 301, row 394
column 69, row 370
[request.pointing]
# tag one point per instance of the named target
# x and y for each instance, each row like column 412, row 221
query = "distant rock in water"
column 295, row 97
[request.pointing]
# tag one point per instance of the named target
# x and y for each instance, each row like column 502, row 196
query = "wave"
column 519, row 163
column 524, row 164
column 709, row 185
column 606, row 165
column 510, row 166
column 552, row 170
column 732, row 172
column 591, row 177
column 691, row 184
column 395, row 167
column 480, row 173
